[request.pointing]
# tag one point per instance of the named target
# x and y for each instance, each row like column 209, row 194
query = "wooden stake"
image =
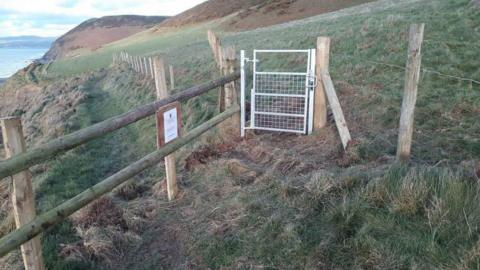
column 145, row 64
column 162, row 93
column 322, row 64
column 142, row 67
column 23, row 198
column 152, row 71
column 336, row 109
column 412, row 76
column 172, row 77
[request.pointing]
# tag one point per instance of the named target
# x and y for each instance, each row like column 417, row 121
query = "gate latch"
column 312, row 79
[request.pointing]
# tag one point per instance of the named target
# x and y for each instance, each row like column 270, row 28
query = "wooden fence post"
column 145, row 64
column 152, row 71
column 216, row 46
column 23, row 198
column 145, row 67
column 142, row 67
column 412, row 76
column 322, row 65
column 172, row 77
column 162, row 92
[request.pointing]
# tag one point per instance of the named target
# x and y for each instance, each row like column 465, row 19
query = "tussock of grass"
column 409, row 217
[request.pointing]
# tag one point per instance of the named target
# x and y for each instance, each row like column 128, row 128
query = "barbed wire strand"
column 423, row 69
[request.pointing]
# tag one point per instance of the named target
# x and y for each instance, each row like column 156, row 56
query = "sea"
column 13, row 59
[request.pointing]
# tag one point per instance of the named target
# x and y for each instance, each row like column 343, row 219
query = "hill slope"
column 94, row 33
column 257, row 13
column 280, row 201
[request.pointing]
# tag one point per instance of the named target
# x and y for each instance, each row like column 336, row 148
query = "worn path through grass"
column 81, row 168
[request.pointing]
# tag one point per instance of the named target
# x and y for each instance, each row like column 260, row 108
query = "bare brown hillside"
column 94, row 33
column 251, row 14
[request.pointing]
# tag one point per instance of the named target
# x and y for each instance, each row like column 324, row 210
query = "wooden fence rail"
column 47, row 220
column 44, row 152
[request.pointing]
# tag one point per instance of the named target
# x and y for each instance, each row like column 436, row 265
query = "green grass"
column 77, row 170
column 423, row 216
column 420, row 217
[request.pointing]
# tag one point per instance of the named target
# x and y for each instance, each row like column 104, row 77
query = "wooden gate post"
column 23, row 198
column 322, row 65
column 162, row 92
column 231, row 98
column 216, row 46
column 412, row 76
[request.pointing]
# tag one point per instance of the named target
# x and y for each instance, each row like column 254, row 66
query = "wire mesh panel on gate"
column 280, row 99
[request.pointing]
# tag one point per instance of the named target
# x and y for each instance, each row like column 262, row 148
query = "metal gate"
column 279, row 100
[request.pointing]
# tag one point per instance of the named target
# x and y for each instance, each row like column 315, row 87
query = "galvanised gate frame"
column 279, row 101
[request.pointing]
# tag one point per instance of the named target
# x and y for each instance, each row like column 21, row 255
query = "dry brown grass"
column 101, row 212
column 469, row 258
column 411, row 196
column 45, row 109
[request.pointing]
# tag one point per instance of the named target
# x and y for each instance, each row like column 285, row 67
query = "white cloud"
column 55, row 17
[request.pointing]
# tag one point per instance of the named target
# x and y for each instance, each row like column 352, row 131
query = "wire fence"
column 427, row 70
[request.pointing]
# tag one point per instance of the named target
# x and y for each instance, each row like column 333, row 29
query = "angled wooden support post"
column 322, row 65
column 412, row 76
column 162, row 92
column 216, row 46
column 336, row 109
column 23, row 197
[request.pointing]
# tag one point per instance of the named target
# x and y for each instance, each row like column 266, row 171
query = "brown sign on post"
column 169, row 123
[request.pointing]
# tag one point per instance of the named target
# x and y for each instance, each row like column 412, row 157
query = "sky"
column 52, row 18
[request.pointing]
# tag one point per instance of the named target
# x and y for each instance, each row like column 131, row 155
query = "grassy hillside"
column 96, row 32
column 373, row 32
column 283, row 201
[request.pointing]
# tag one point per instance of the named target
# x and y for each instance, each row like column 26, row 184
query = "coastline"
column 2, row 80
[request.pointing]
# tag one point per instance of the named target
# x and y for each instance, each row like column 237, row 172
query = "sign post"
column 169, row 121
